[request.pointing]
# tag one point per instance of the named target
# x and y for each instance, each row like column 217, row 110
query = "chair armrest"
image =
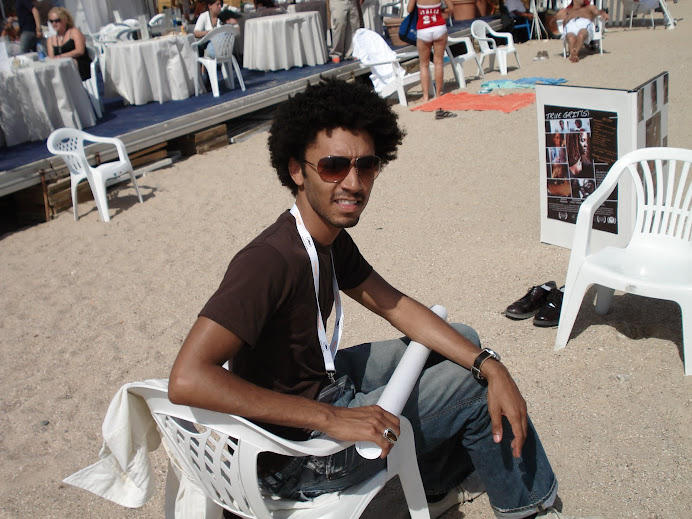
column 119, row 145
column 504, row 35
column 581, row 244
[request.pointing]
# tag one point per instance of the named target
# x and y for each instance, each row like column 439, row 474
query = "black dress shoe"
column 549, row 313
column 531, row 302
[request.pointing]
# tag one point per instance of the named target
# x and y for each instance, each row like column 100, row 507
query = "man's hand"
column 504, row 399
column 362, row 424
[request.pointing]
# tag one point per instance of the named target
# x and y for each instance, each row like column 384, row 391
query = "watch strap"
column 485, row 354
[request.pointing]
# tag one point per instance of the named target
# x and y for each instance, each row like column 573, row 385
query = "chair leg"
column 571, row 303
column 134, row 183
column 604, row 296
column 213, row 79
column 480, row 67
column 228, row 75
column 73, row 189
column 686, row 310
column 502, row 61
column 98, row 189
column 401, row 92
column 516, row 55
column 236, row 67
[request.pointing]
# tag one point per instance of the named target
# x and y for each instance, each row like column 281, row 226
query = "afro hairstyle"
column 329, row 104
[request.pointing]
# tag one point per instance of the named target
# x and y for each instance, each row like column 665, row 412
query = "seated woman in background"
column 9, row 30
column 68, row 41
column 209, row 20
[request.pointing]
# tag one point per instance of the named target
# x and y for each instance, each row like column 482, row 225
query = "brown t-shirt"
column 267, row 298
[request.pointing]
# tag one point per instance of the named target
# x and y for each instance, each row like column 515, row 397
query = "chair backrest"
column 223, row 39
column 69, row 144
column 479, row 31
column 156, row 20
column 219, row 451
column 663, row 187
column 370, row 47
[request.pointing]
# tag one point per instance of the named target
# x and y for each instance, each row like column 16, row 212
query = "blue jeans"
column 27, row 42
column 448, row 412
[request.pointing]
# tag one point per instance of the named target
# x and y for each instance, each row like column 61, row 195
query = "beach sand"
column 87, row 307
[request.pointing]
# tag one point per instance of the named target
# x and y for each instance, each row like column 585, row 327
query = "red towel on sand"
column 466, row 101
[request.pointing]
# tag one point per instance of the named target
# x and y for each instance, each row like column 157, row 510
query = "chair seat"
column 111, row 169
column 642, row 268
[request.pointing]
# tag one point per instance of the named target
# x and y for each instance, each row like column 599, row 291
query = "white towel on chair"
column 123, row 474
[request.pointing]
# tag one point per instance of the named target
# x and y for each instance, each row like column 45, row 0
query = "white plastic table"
column 284, row 41
column 159, row 69
column 39, row 97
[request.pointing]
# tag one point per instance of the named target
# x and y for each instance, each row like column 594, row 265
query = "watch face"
column 493, row 353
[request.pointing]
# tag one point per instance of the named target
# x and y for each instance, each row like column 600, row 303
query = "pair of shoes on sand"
column 542, row 54
column 441, row 113
column 544, row 302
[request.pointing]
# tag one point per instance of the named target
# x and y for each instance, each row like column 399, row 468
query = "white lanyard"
column 329, row 349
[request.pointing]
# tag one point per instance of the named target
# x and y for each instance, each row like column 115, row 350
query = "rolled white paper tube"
column 399, row 387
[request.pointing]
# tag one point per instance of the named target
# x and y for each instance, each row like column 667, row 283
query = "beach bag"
column 407, row 29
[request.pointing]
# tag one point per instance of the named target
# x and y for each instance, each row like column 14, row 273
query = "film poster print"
column 651, row 99
column 581, row 146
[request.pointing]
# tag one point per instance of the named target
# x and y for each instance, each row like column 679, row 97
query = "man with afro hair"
column 268, row 319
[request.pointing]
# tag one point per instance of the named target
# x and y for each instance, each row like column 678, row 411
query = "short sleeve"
column 351, row 267
column 253, row 287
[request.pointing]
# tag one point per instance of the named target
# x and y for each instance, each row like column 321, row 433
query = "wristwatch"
column 485, row 354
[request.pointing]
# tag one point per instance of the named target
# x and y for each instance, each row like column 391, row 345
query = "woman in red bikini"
column 431, row 32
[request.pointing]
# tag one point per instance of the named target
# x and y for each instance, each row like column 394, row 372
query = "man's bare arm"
column 422, row 325
column 198, row 379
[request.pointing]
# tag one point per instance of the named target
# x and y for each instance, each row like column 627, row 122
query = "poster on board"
column 582, row 131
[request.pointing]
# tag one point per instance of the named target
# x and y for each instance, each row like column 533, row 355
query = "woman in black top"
column 68, row 42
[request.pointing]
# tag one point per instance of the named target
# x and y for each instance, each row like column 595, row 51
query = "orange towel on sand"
column 466, row 101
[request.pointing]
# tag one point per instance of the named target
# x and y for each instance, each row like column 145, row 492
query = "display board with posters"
column 582, row 131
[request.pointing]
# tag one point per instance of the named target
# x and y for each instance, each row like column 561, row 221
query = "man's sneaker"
column 551, row 513
column 468, row 490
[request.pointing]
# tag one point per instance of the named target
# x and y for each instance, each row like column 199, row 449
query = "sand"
column 88, row 306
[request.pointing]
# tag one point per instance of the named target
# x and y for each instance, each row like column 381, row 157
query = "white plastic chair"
column 91, row 84
column 457, row 62
column 657, row 262
column 218, row 453
column 69, row 144
column 386, row 73
column 156, row 20
column 223, row 39
column 484, row 34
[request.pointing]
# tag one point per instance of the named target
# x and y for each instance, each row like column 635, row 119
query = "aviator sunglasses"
column 55, row 20
column 334, row 168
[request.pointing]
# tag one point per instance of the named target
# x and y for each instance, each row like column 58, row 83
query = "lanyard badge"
column 329, row 348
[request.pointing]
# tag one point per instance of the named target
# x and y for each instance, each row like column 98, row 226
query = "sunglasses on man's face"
column 56, row 20
column 334, row 168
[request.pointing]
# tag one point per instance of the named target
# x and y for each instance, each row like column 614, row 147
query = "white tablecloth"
column 159, row 69
column 40, row 97
column 284, row 41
